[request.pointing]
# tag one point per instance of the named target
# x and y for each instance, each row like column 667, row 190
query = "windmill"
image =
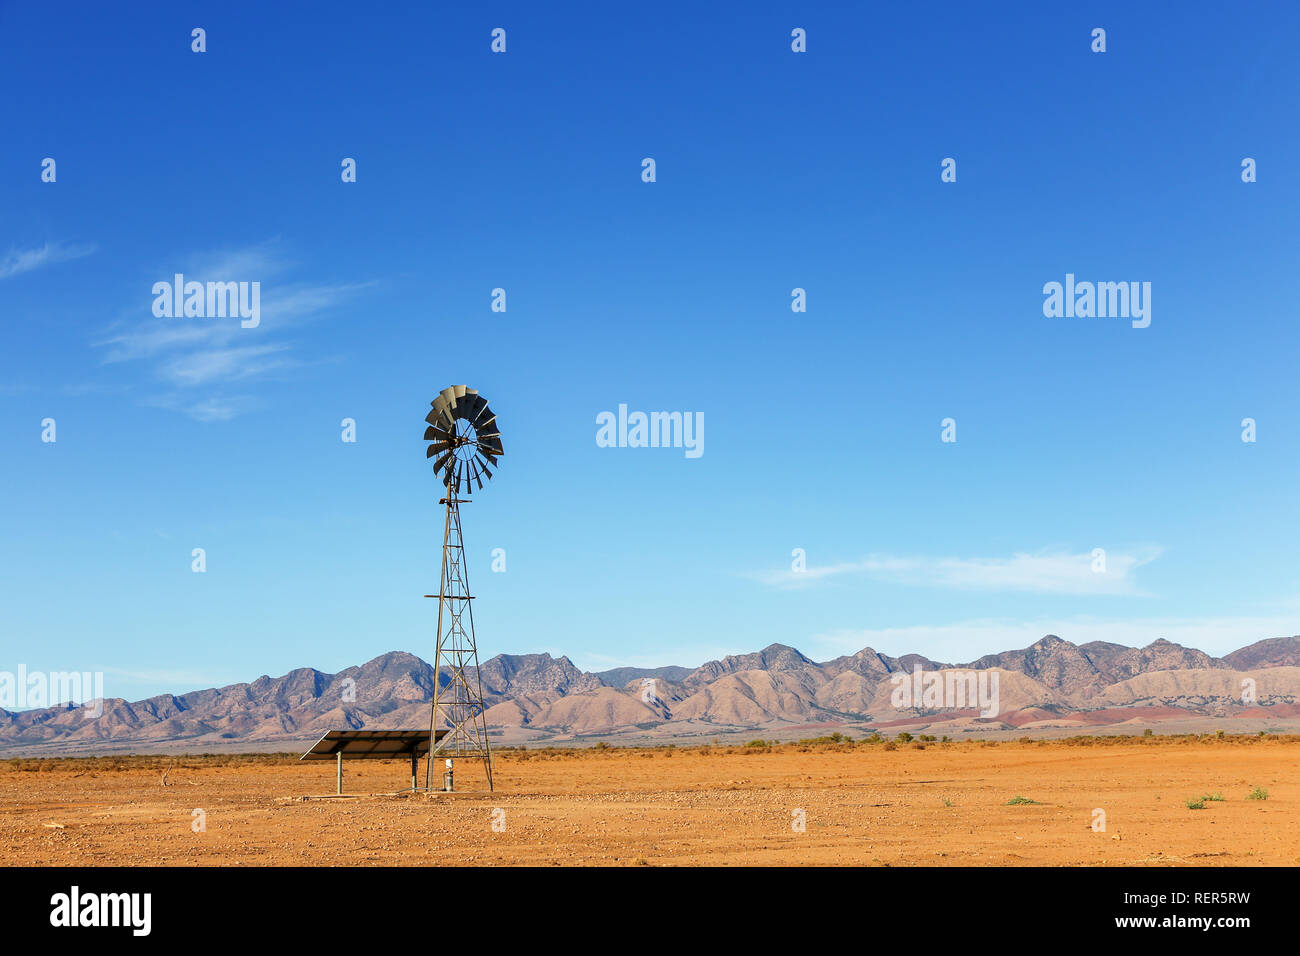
column 464, row 445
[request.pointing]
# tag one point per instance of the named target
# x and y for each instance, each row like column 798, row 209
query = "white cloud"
column 210, row 353
column 1043, row 573
column 210, row 409
column 19, row 261
column 224, row 364
column 133, row 342
column 297, row 300
column 251, row 263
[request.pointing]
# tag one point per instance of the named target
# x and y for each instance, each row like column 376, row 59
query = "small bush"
column 825, row 740
column 1259, row 793
column 1196, row 804
column 904, row 737
column 1019, row 801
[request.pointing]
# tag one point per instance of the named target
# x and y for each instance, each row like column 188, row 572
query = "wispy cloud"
column 1045, row 573
column 225, row 364
column 214, row 354
column 19, row 261
column 217, row 408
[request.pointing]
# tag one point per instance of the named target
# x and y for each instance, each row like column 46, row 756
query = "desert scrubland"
column 1181, row 801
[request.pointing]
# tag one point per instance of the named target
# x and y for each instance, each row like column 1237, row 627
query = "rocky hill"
column 1052, row 685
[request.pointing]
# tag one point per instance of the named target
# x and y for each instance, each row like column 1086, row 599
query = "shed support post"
column 340, row 774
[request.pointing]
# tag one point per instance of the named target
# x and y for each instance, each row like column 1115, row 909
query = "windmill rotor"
column 464, row 440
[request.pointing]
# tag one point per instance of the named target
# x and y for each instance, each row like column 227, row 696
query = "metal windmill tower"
column 464, row 441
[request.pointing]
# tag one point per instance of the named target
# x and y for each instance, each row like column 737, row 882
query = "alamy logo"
column 655, row 430
column 103, row 909
column 1102, row 300
column 946, row 690
column 40, row 689
column 212, row 300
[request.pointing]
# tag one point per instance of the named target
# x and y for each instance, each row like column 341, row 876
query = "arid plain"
column 882, row 804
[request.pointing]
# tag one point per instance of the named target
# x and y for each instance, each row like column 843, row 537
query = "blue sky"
column 522, row 171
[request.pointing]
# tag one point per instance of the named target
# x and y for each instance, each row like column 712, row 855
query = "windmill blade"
column 484, row 415
column 457, row 397
column 486, row 470
column 442, row 462
column 437, row 447
column 434, row 433
column 472, row 407
column 439, row 418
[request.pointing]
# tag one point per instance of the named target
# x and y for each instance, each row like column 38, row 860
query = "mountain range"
column 1052, row 687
